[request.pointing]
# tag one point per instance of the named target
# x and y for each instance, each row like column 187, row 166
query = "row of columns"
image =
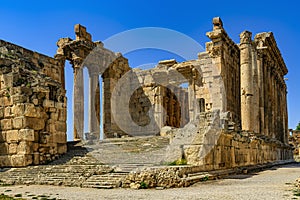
column 263, row 91
column 93, row 106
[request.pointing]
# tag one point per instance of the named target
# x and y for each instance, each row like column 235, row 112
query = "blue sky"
column 37, row 25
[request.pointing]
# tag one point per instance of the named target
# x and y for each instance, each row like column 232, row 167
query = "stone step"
column 106, row 181
column 83, row 165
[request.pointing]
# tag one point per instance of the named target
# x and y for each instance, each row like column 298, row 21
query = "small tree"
column 298, row 127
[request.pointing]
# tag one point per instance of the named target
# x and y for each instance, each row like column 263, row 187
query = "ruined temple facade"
column 237, row 90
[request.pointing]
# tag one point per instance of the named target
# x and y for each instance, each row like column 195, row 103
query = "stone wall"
column 33, row 107
column 294, row 141
column 232, row 151
column 225, row 56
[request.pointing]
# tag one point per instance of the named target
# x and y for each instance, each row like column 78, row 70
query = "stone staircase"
column 139, row 151
column 101, row 165
column 105, row 181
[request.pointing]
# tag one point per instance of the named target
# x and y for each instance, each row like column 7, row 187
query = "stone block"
column 2, row 136
column 26, row 135
column 59, row 137
column 12, row 136
column 54, row 116
column 36, row 158
column 60, row 126
column 35, row 146
column 62, row 115
column 34, row 123
column 60, row 105
column 48, row 103
column 6, row 101
column 32, row 111
column 18, row 123
column 7, row 112
column 6, row 124
column 18, row 109
column 5, row 161
column 20, row 160
column 13, row 148
column 1, row 112
column 25, row 147
column 61, row 148
column 3, row 149
column 15, row 99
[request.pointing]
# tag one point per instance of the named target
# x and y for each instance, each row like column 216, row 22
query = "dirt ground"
column 275, row 183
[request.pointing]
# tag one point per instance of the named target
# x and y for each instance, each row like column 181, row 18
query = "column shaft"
column 78, row 103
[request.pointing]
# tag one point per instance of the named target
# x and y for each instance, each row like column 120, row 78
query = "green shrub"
column 178, row 162
column 144, row 185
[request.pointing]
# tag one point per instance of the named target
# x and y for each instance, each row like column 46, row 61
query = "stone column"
column 94, row 128
column 246, row 81
column 255, row 89
column 78, row 102
column 159, row 106
column 261, row 92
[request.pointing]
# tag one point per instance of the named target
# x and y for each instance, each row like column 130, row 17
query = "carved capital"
column 245, row 37
column 215, row 51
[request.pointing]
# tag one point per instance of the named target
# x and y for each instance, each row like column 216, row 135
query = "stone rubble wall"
column 33, row 107
column 294, row 141
column 232, row 151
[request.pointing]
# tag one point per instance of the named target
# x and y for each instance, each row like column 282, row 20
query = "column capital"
column 245, row 37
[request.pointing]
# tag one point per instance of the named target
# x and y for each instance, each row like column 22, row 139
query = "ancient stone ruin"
column 294, row 141
column 225, row 109
column 33, row 107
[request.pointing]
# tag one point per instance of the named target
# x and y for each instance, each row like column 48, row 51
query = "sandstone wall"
column 33, row 107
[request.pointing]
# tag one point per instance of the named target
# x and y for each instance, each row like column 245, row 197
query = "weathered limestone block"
column 7, row 81
column 2, row 136
column 5, row 160
column 21, row 160
column 48, row 103
column 18, row 122
column 18, row 99
column 13, row 148
column 18, row 109
column 6, row 101
column 192, row 153
column 26, row 135
column 62, row 115
column 8, row 113
column 54, row 116
column 34, row 123
column 35, row 145
column 6, row 124
column 1, row 112
column 59, row 137
column 25, row 147
column 60, row 126
column 61, row 148
column 32, row 111
column 12, row 136
column 3, row 148
column 36, row 158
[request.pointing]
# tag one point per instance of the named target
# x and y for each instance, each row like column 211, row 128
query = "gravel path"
column 275, row 183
